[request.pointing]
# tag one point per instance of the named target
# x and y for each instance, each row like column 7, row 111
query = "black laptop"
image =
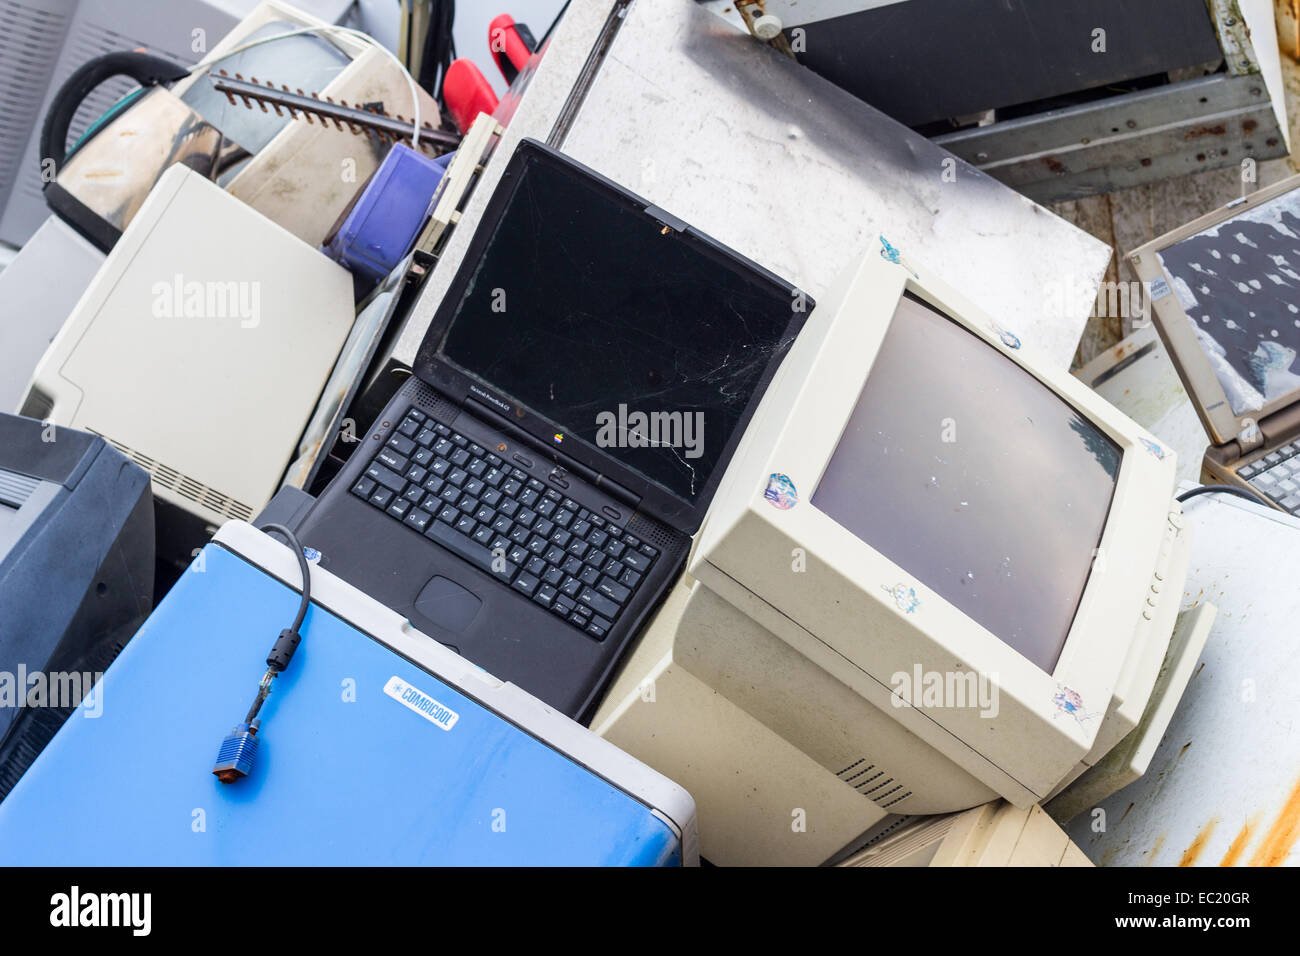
column 529, row 495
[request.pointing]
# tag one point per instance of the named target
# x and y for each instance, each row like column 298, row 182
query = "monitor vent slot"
column 15, row 489
column 897, row 824
column 30, row 37
column 164, row 476
column 874, row 783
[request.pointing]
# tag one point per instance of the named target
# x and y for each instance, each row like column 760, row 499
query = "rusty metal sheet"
column 1224, row 785
column 1127, row 140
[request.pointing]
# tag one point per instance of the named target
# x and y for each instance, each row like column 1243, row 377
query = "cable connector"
column 282, row 651
column 237, row 753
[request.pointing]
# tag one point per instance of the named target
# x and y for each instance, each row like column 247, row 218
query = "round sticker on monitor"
column 781, row 493
column 1009, row 339
column 1069, row 702
column 904, row 597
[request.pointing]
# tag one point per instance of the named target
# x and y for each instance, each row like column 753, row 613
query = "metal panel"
column 786, row 168
column 1127, row 140
column 933, row 59
column 1224, row 786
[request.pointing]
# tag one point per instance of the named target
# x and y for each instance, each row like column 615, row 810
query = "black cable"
column 287, row 643
column 303, row 566
column 238, row 750
column 1227, row 490
column 439, row 48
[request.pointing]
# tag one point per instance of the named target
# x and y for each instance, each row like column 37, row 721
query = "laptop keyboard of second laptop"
column 543, row 544
column 1277, row 475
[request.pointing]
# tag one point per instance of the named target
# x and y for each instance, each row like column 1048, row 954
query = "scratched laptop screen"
column 641, row 341
column 976, row 479
column 1239, row 283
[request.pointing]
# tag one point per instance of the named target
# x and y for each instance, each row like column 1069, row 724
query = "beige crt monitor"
column 938, row 571
column 200, row 348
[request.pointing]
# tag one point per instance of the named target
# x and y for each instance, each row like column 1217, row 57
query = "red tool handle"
column 511, row 45
column 467, row 93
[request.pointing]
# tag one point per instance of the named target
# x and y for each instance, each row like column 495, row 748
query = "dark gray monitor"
column 76, row 576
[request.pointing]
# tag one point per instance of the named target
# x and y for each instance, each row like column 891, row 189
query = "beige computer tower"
column 200, row 348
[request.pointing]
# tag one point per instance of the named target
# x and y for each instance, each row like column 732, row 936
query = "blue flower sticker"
column 1069, row 702
column 889, row 253
column 904, row 597
column 780, row 492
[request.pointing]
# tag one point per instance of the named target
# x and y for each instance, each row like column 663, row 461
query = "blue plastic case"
column 384, row 222
column 378, row 746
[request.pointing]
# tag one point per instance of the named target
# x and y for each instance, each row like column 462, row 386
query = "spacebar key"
column 469, row 549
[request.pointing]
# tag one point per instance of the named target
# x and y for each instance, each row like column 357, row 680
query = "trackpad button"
column 448, row 604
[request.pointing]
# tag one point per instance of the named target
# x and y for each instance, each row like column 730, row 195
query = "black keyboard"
column 543, row 544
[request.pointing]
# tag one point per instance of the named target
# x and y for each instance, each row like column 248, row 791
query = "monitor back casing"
column 76, row 576
column 840, row 612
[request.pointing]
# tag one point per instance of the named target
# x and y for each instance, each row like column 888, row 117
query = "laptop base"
column 463, row 606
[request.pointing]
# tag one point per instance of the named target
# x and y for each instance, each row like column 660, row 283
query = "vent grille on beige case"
column 874, row 783
column 185, row 486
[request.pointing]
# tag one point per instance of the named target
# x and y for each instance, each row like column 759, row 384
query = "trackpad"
column 448, row 604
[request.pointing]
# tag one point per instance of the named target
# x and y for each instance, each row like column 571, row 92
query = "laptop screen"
column 1239, row 284
column 643, row 342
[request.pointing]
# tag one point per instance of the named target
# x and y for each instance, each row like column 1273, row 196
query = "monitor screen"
column 1239, row 283
column 975, row 479
column 643, row 342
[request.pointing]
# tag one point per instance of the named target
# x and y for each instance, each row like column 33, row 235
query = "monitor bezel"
column 846, row 604
column 1175, row 326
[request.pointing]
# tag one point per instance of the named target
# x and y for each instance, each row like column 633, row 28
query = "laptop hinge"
column 589, row 475
column 1250, row 437
column 1282, row 424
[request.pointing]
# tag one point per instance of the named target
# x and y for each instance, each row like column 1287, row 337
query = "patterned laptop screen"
column 1239, row 283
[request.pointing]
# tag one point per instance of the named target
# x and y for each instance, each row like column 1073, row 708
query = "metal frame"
column 1128, row 140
